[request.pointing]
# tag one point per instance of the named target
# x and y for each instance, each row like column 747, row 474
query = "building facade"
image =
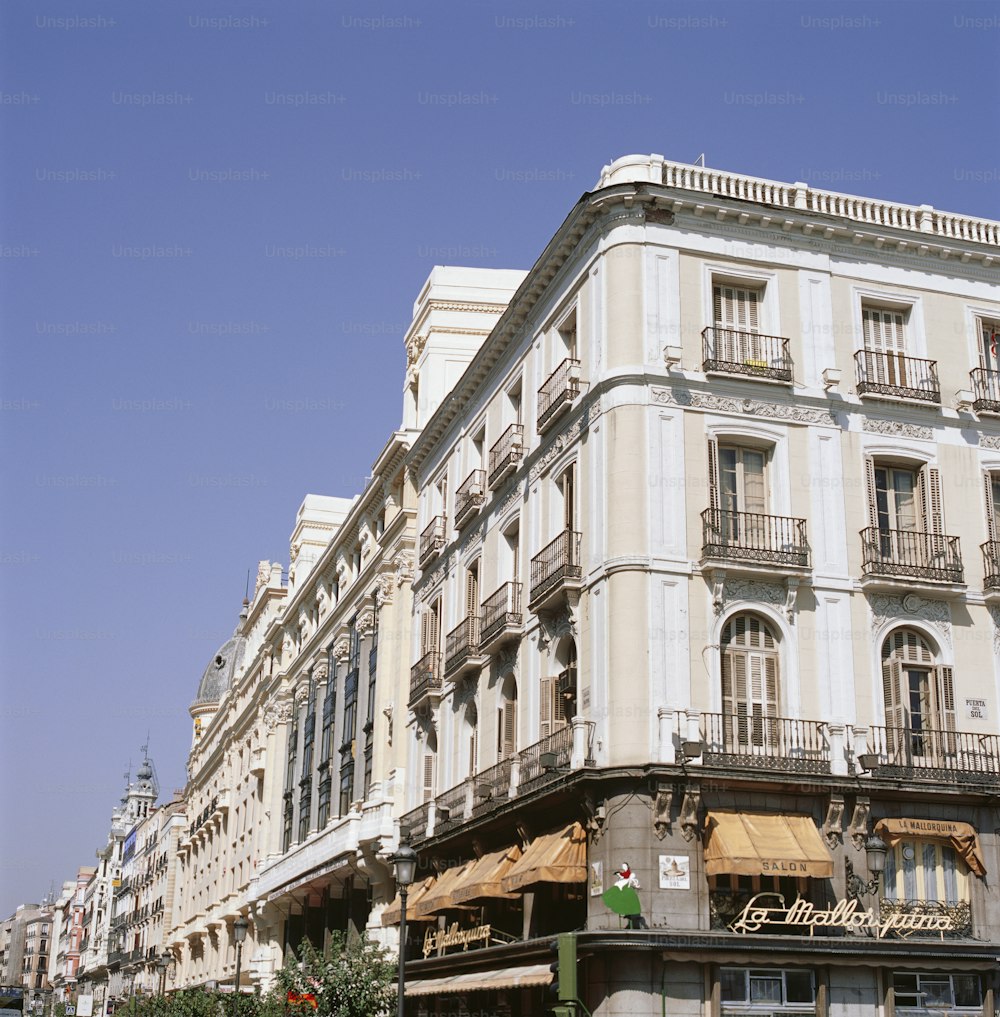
column 705, row 617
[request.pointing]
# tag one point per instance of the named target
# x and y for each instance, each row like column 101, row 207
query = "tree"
column 355, row 978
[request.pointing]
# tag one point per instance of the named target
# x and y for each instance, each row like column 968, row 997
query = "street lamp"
column 240, row 927
column 405, row 863
column 162, row 963
column 875, row 852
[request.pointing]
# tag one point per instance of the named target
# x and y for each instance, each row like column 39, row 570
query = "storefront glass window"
column 767, row 987
column 933, row 991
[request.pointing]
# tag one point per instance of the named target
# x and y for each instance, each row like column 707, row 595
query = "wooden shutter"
column 713, row 473
column 717, row 309
column 545, row 712
column 472, row 592
column 870, row 488
column 508, row 728
column 945, row 705
column 740, row 697
column 892, row 696
column 991, row 526
column 929, row 493
column 430, row 769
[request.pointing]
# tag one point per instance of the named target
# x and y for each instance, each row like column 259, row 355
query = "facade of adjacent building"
column 706, row 614
column 26, row 950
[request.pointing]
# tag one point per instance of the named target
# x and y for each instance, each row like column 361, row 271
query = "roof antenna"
column 700, row 161
column 246, row 593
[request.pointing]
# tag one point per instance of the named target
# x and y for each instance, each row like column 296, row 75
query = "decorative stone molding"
column 689, row 814
column 341, row 648
column 897, row 428
column 935, row 612
column 563, row 440
column 366, row 622
column 277, row 712
column 995, row 615
column 989, row 441
column 506, row 663
column 302, row 692
column 386, row 589
column 263, row 576
column 741, row 407
column 726, row 591
column 403, row 564
column 858, row 828
column 515, row 495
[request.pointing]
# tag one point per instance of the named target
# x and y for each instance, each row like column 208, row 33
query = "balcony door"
column 919, row 699
column 905, row 509
column 989, row 344
column 736, row 314
column 749, row 684
column 884, row 334
column 743, row 495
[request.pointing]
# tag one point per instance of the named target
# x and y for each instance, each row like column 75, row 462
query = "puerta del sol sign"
column 845, row 914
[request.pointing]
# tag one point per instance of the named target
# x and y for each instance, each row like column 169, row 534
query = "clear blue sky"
column 216, row 218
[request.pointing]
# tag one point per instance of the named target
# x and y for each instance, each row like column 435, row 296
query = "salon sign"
column 845, row 914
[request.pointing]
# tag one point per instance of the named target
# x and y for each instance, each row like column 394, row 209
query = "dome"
column 222, row 667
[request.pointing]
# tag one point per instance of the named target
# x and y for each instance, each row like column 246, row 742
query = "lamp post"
column 162, row 963
column 405, row 863
column 875, row 852
column 239, row 935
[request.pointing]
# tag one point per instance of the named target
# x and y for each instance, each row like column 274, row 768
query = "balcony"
column 754, row 538
column 425, row 679
column 985, row 390
column 897, row 376
column 491, row 786
column 991, row 566
column 934, row 754
column 501, row 620
column 461, row 648
column 910, row 554
column 557, row 393
column 746, row 354
column 506, row 454
column 775, row 744
column 555, row 570
column 432, row 539
column 469, row 497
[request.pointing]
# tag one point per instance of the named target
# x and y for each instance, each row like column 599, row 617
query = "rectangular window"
column 768, row 988
column 896, row 499
column 937, row 991
column 741, row 479
column 924, row 871
column 988, row 331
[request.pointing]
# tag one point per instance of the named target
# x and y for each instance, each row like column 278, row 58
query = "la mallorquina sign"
column 846, row 914
column 440, row 939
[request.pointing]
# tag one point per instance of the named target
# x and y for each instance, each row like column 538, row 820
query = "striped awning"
column 394, row 912
column 475, row 981
column 552, row 858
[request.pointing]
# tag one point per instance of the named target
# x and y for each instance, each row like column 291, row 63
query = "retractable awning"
column 960, row 836
column 472, row 981
column 394, row 912
column 438, row 897
column 756, row 843
column 483, row 880
column 552, row 858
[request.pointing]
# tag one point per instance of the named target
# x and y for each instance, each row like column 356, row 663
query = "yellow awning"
column 484, row 878
column 438, row 897
column 472, row 981
column 553, row 858
column 394, row 912
column 960, row 836
column 754, row 843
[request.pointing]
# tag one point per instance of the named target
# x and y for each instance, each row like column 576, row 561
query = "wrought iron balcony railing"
column 461, row 645
column 936, row 753
column 991, row 564
column 911, row 554
column 754, row 537
column 555, row 564
column 507, row 453
column 425, row 677
column 469, row 497
column 432, row 539
column 748, row 739
column 558, row 392
column 731, row 351
column 985, row 390
column 895, row 374
column 533, row 773
column 500, row 615
column 490, row 786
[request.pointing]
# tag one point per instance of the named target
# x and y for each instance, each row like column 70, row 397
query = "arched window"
column 750, row 679
column 919, row 698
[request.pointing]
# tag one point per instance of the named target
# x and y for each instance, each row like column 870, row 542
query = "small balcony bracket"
column 791, row 594
column 689, row 813
column 858, row 828
column 718, row 577
column 833, row 827
column 661, row 810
